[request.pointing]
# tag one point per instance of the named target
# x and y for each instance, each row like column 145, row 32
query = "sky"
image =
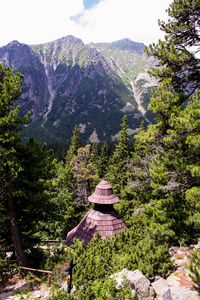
column 40, row 21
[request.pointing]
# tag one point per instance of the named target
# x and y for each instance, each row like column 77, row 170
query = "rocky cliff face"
column 67, row 82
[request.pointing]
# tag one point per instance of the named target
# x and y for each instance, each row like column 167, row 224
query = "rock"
column 179, row 293
column 36, row 295
column 160, row 286
column 184, row 248
column 17, row 297
column 63, row 286
column 157, row 278
column 173, row 280
column 142, row 284
column 184, row 293
column 180, row 262
column 36, row 287
column 45, row 293
column 6, row 295
column 137, row 282
column 25, row 286
column 167, row 295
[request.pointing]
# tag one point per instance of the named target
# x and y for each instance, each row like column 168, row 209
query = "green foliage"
column 100, row 258
column 31, row 191
column 10, row 125
column 117, row 171
column 107, row 289
column 86, row 175
column 59, row 149
column 66, row 214
column 158, row 183
column 175, row 58
column 74, row 146
column 103, row 160
column 99, row 158
column 62, row 295
column 194, row 267
column 163, row 172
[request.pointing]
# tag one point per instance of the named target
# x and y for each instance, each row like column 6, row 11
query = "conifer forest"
column 44, row 189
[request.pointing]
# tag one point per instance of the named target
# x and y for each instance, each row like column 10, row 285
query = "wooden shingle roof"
column 105, row 222
column 102, row 218
column 103, row 194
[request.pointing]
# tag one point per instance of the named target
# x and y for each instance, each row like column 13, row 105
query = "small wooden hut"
column 102, row 218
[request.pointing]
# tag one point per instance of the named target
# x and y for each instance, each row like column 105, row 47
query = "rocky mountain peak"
column 67, row 82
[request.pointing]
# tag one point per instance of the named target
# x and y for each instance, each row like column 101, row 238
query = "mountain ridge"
column 67, row 82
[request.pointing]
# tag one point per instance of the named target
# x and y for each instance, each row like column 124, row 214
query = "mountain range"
column 67, row 82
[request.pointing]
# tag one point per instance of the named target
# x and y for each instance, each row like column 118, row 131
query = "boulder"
column 136, row 281
column 160, row 286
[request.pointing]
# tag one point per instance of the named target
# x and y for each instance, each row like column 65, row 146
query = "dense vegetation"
column 157, row 181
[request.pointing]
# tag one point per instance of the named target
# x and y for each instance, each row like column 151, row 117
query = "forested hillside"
column 157, row 178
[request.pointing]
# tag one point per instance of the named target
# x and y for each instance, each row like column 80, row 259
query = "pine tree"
column 65, row 215
column 94, row 155
column 103, row 160
column 86, row 175
column 35, row 213
column 172, row 146
column 75, row 145
column 138, row 190
column 173, row 54
column 117, row 172
column 10, row 125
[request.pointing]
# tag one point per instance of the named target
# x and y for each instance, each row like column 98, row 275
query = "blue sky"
column 41, row 21
column 89, row 3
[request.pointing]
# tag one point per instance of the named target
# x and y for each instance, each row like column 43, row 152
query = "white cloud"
column 36, row 21
column 40, row 21
column 115, row 19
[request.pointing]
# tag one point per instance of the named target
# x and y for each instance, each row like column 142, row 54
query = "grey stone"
column 25, row 286
column 173, row 280
column 142, row 285
column 167, row 295
column 160, row 286
column 137, row 281
column 6, row 295
column 184, row 293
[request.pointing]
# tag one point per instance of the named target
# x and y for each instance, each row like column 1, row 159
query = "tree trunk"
column 19, row 253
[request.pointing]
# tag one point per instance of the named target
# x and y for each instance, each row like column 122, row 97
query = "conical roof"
column 107, row 223
column 102, row 218
column 103, row 194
